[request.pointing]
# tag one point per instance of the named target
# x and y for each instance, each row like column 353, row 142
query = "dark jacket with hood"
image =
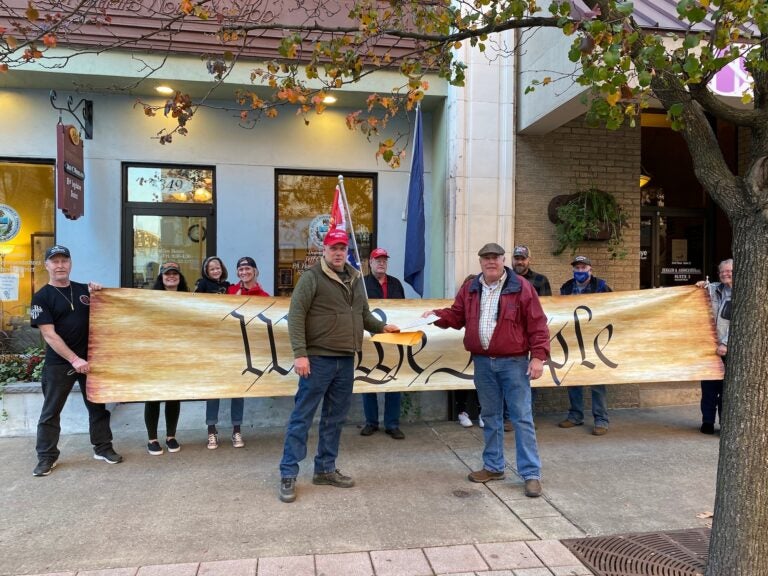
column 521, row 325
column 208, row 285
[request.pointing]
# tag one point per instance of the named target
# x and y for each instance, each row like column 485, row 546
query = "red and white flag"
column 337, row 213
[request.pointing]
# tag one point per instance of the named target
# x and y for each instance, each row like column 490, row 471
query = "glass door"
column 168, row 216
column 672, row 247
column 158, row 239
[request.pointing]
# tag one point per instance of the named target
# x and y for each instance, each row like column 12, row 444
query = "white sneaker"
column 464, row 420
column 213, row 441
column 237, row 440
column 480, row 421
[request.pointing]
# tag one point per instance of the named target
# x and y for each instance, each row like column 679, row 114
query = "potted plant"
column 590, row 214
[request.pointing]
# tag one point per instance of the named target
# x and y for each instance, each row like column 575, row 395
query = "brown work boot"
column 484, row 475
column 532, row 488
column 335, row 478
column 599, row 431
column 569, row 424
column 508, row 427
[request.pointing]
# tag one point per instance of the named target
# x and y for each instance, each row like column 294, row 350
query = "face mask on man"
column 580, row 276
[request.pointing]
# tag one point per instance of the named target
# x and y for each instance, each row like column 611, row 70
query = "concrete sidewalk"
column 413, row 512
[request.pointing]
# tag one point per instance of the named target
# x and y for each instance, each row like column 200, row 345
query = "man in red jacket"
column 505, row 330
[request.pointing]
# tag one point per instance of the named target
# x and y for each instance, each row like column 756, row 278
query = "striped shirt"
column 489, row 308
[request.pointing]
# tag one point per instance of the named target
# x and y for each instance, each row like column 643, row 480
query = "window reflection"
column 27, row 203
column 304, row 203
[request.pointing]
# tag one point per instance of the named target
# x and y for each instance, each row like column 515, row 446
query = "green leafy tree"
column 325, row 45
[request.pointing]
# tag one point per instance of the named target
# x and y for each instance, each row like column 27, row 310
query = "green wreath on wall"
column 590, row 214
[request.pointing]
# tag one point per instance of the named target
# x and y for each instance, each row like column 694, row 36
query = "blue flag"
column 415, row 257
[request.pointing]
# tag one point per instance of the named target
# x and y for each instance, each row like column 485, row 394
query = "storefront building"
column 494, row 160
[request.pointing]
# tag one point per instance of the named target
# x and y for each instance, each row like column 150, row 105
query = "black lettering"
column 551, row 363
column 579, row 337
column 599, row 350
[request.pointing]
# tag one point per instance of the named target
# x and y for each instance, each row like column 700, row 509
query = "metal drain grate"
column 679, row 553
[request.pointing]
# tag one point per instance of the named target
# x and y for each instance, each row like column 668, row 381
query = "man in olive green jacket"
column 328, row 313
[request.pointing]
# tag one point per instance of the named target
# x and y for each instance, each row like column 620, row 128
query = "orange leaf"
column 32, row 14
column 49, row 40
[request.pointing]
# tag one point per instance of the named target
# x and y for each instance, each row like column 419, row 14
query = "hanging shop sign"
column 70, row 175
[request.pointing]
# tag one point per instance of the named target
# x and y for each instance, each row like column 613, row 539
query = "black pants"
column 711, row 401
column 57, row 383
column 152, row 417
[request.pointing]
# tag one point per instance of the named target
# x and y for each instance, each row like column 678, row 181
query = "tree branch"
column 532, row 22
column 712, row 104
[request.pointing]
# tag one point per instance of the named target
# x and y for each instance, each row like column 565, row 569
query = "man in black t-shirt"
column 60, row 310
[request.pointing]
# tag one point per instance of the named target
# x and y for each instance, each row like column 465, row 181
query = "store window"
column 168, row 215
column 27, row 215
column 303, row 207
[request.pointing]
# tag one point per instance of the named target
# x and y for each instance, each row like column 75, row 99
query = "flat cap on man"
column 491, row 248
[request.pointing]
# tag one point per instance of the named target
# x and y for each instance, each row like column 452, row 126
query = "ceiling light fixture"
column 329, row 100
column 165, row 90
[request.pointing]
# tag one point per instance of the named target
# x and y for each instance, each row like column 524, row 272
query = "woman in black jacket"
column 170, row 278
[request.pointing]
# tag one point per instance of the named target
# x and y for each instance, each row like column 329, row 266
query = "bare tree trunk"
column 739, row 545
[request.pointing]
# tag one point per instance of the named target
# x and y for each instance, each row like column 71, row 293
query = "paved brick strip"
column 533, row 558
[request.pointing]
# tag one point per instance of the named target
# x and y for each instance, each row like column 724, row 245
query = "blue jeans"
column 508, row 401
column 495, row 380
column 236, row 408
column 330, row 381
column 599, row 405
column 391, row 409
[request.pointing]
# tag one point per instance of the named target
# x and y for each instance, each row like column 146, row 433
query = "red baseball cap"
column 336, row 236
column 379, row 253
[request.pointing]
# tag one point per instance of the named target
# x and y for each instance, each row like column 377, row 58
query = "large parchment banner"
column 156, row 345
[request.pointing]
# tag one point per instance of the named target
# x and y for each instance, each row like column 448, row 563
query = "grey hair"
column 723, row 263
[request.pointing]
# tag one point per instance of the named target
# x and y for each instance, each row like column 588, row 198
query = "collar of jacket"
column 511, row 285
column 354, row 273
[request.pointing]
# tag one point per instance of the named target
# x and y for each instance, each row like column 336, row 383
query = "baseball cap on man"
column 491, row 248
column 581, row 260
column 170, row 267
column 336, row 236
column 57, row 250
column 521, row 251
column 246, row 261
column 379, row 253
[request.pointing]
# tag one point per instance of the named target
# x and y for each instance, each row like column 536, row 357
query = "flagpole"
column 355, row 251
